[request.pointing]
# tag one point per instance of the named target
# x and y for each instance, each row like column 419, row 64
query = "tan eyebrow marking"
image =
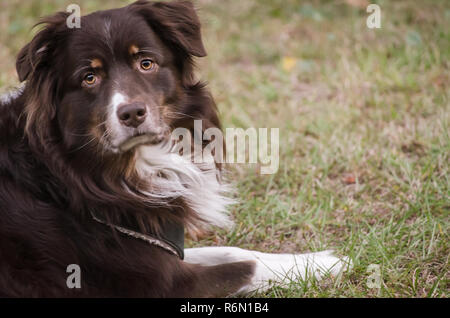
column 133, row 49
column 96, row 63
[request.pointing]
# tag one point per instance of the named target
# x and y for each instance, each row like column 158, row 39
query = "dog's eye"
column 147, row 64
column 90, row 79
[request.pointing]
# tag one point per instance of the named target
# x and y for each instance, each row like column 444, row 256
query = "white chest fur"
column 171, row 175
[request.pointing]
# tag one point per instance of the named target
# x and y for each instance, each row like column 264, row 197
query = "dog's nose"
column 132, row 115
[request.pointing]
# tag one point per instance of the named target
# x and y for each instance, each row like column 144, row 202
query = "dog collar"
column 171, row 238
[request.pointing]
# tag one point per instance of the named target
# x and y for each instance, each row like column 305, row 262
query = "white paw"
column 325, row 263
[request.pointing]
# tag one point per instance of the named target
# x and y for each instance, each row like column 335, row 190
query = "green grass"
column 352, row 104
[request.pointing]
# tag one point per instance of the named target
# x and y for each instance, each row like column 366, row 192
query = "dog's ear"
column 36, row 51
column 36, row 63
column 176, row 23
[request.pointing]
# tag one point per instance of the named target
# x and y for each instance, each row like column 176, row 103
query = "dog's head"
column 115, row 82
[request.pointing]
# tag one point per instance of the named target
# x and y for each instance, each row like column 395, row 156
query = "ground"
column 364, row 131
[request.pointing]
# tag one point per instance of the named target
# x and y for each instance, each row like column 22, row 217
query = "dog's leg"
column 220, row 280
column 270, row 269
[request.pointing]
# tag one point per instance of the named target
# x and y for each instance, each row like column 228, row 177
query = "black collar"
column 171, row 238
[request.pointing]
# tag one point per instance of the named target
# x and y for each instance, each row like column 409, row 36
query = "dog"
column 88, row 176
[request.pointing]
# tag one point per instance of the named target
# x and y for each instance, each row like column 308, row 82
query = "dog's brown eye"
column 90, row 79
column 147, row 64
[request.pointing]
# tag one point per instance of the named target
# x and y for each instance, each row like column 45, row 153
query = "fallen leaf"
column 349, row 179
column 288, row 63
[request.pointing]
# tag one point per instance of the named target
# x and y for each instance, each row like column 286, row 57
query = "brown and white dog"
column 85, row 178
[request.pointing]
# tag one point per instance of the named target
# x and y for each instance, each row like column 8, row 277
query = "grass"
column 364, row 131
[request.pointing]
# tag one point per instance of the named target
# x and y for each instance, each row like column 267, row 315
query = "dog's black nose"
column 132, row 115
